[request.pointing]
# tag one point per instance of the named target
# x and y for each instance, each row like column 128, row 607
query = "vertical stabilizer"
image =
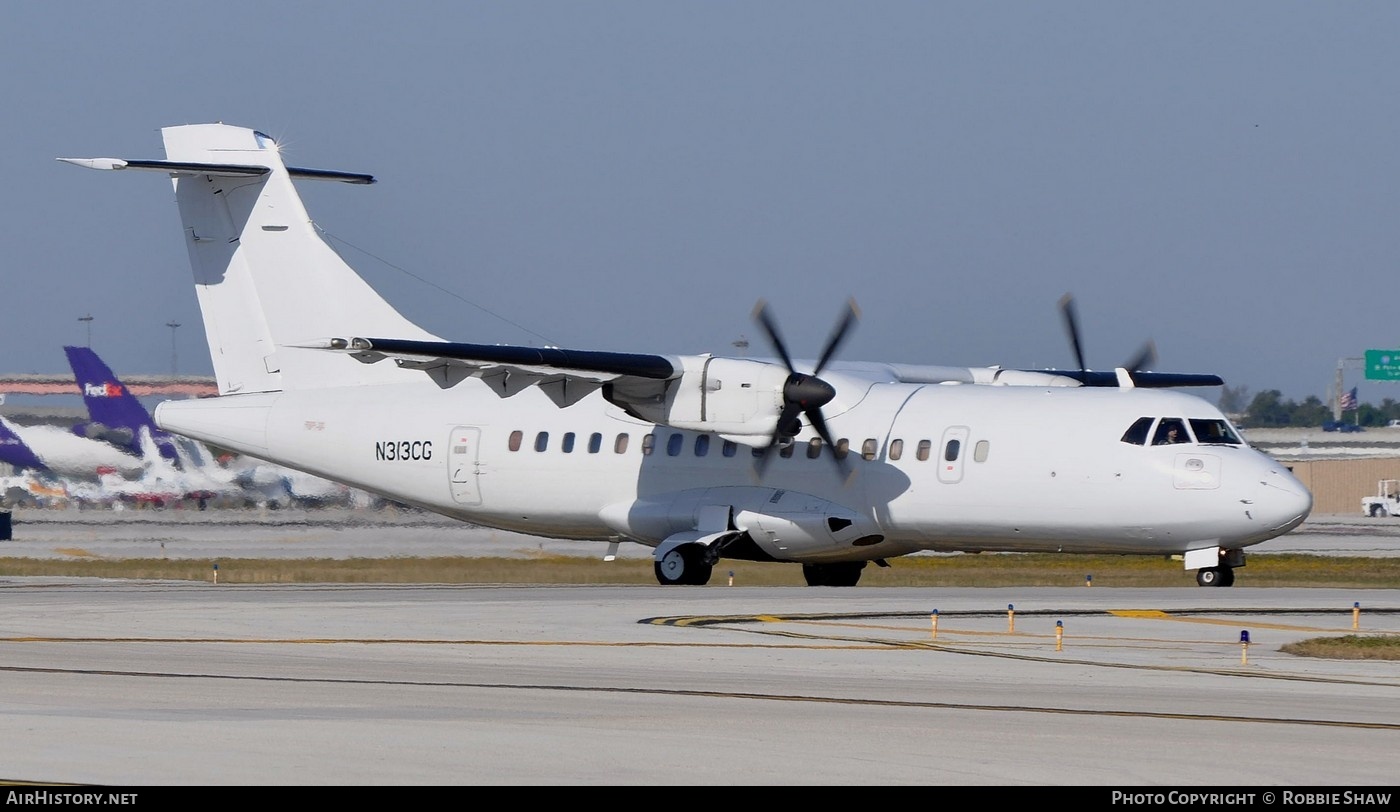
column 268, row 285
column 266, row 280
column 15, row 452
column 110, row 404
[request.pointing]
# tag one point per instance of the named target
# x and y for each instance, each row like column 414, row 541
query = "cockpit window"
column 1137, row 432
column 1171, row 430
column 1215, row 432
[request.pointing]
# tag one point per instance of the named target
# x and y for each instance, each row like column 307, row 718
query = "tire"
column 683, row 566
column 1215, row 576
column 845, row 573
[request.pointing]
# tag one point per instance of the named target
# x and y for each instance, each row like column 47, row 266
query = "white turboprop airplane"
column 829, row 464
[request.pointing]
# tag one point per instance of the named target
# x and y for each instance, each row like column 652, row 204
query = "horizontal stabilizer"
column 216, row 170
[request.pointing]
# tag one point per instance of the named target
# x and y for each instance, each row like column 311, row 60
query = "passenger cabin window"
column 979, row 451
column 896, row 449
column 702, row 445
column 924, row 447
column 595, row 443
column 515, row 438
column 542, row 441
column 673, row 445
column 567, row 443
column 730, row 448
column 1137, row 432
column 648, row 444
column 814, row 448
column 620, row 444
column 868, row 448
column 1170, row 432
column 950, row 452
column 786, row 452
column 843, row 447
column 1216, row 432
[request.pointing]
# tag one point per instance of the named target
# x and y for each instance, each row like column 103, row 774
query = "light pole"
column 172, row 324
column 88, row 319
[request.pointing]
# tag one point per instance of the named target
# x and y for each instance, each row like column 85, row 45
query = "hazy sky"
column 1220, row 177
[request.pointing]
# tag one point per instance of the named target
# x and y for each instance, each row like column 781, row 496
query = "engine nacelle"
column 738, row 398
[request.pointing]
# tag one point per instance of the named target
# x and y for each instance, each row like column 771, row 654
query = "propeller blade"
column 819, row 423
column 838, row 335
column 1146, row 357
column 1072, row 325
column 760, row 315
column 803, row 395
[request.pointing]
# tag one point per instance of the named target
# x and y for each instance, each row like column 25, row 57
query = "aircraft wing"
column 1004, row 376
column 1141, row 378
column 564, row 375
column 586, row 364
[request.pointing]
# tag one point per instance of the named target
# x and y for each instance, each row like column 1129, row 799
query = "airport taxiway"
column 129, row 683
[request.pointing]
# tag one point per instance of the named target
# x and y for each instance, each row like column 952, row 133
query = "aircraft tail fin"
column 271, row 291
column 15, row 452
column 111, row 405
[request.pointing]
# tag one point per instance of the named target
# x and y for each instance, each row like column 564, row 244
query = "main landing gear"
column 693, row 564
column 844, row 573
column 686, row 565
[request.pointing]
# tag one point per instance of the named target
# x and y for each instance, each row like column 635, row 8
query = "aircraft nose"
column 1283, row 501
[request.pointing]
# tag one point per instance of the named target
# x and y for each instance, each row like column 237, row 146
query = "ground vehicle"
column 1386, row 502
column 1342, row 426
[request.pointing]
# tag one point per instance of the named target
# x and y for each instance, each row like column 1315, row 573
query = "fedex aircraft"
column 828, row 464
column 113, row 410
column 59, row 452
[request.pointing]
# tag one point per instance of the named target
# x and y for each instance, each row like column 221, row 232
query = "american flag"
column 1349, row 400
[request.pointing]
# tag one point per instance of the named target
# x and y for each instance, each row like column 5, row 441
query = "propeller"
column 804, row 394
column 1145, row 357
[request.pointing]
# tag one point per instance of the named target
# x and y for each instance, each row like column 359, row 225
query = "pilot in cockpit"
column 1170, row 431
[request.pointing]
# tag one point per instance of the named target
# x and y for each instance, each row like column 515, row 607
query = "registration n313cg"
column 826, row 463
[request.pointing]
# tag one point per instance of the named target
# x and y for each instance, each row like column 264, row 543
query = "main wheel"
column 845, row 573
column 683, row 565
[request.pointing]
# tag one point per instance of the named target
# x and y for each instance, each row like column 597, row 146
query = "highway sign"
column 1383, row 365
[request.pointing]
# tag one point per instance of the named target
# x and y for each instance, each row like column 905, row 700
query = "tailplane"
column 270, row 288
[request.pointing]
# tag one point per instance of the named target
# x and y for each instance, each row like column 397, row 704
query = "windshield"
column 1215, row 432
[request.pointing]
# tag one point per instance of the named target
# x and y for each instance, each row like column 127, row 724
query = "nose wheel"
column 1215, row 576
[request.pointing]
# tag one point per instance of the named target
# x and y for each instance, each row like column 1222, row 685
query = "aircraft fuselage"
column 930, row 467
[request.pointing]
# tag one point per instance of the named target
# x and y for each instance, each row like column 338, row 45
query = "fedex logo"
column 102, row 390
